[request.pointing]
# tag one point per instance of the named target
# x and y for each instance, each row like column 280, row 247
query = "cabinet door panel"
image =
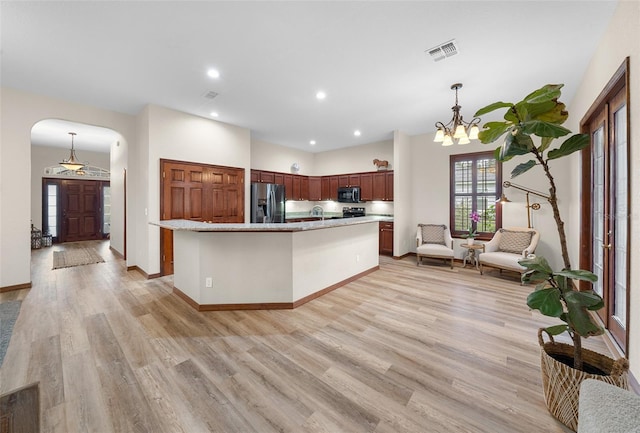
column 315, row 188
column 366, row 187
column 379, row 186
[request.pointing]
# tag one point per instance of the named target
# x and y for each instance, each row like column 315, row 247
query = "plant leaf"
column 557, row 329
column 545, row 142
column 578, row 274
column 492, row 107
column 579, row 318
column 539, row 264
column 558, row 114
column 492, row 131
column 544, row 129
column 583, row 299
column 547, row 301
column 572, row 144
column 547, row 92
column 523, row 168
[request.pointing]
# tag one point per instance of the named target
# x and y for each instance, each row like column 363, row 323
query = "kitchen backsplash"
column 371, row 208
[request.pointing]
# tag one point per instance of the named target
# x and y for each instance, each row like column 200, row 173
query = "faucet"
column 315, row 209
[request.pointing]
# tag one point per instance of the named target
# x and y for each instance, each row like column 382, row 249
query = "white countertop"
column 197, row 226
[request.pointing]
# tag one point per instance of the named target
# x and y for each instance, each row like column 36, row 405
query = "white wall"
column 181, row 136
column 430, row 179
column 20, row 111
column 42, row 157
column 353, row 159
column 621, row 39
column 273, row 157
column 403, row 185
column 118, row 165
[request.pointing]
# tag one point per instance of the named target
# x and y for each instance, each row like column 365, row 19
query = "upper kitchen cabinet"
column 366, row 186
column 382, row 186
column 315, row 188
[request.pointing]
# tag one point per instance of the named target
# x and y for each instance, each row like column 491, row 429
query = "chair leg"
column 451, row 262
column 481, row 269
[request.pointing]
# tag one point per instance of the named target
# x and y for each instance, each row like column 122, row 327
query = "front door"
column 81, row 206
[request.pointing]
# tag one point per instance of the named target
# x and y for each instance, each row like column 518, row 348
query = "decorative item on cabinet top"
column 382, row 165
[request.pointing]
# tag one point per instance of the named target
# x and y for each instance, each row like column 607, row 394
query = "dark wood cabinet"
column 288, row 185
column 278, row 178
column 373, row 185
column 304, row 188
column 389, row 185
column 315, row 188
column 198, row 192
column 386, row 238
column 296, row 190
column 382, row 186
column 366, row 186
column 333, row 188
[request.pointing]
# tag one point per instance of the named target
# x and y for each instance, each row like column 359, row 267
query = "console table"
column 472, row 255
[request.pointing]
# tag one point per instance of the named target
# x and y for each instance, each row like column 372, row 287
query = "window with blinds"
column 476, row 181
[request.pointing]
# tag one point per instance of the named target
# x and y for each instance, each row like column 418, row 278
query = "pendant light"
column 72, row 163
column 457, row 130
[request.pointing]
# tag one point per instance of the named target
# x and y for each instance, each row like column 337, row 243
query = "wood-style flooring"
column 404, row 349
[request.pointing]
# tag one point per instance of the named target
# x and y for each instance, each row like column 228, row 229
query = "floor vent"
column 443, row 51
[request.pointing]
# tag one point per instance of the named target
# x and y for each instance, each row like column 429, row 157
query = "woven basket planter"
column 561, row 383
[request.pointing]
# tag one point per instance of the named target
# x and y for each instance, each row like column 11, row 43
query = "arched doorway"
column 81, row 204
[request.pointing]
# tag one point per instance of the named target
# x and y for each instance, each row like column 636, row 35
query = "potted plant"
column 471, row 235
column 530, row 127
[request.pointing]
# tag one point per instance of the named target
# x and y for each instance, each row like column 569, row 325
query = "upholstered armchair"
column 507, row 247
column 435, row 241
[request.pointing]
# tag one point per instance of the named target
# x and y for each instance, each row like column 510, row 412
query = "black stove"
column 352, row 212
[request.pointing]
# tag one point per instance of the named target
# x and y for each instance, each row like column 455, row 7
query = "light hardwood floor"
column 404, row 349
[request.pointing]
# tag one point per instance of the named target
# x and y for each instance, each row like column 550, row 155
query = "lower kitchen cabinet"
column 386, row 238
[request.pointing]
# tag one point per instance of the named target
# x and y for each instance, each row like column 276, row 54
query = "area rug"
column 75, row 257
column 8, row 315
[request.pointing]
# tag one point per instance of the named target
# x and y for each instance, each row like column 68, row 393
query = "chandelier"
column 457, row 128
column 73, row 163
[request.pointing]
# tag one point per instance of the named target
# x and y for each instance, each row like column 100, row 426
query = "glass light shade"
column 460, row 132
column 447, row 140
column 473, row 132
column 464, row 140
column 72, row 163
column 439, row 138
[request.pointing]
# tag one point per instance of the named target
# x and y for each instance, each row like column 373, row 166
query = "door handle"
column 607, row 246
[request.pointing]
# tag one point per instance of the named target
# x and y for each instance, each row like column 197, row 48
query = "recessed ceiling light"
column 312, row 142
column 357, row 133
column 321, row 95
column 214, row 114
column 213, row 73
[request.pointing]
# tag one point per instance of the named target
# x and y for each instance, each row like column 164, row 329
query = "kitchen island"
column 266, row 266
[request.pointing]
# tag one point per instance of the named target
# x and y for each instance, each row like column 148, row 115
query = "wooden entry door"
column 81, row 209
column 197, row 192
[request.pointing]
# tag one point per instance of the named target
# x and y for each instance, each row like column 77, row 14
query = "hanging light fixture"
column 73, row 163
column 457, row 129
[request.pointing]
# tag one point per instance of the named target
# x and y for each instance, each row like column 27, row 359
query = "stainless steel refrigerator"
column 267, row 203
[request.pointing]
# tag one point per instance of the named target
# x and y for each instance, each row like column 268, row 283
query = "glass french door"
column 609, row 209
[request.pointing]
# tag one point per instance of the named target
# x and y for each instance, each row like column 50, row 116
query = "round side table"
column 471, row 255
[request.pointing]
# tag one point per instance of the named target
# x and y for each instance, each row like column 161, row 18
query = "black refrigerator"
column 267, row 203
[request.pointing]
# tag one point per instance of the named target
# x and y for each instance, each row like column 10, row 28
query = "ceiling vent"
column 210, row 94
column 443, row 51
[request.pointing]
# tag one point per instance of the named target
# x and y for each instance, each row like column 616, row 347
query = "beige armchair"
column 507, row 247
column 435, row 241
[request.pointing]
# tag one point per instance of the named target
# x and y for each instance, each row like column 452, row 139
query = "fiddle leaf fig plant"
column 530, row 127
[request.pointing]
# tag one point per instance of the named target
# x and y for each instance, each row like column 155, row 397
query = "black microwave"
column 349, row 194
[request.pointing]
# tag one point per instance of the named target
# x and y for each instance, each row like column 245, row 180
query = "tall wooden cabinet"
column 198, row 192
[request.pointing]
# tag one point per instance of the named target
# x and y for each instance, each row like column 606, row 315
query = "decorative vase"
column 561, row 382
column 470, row 241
